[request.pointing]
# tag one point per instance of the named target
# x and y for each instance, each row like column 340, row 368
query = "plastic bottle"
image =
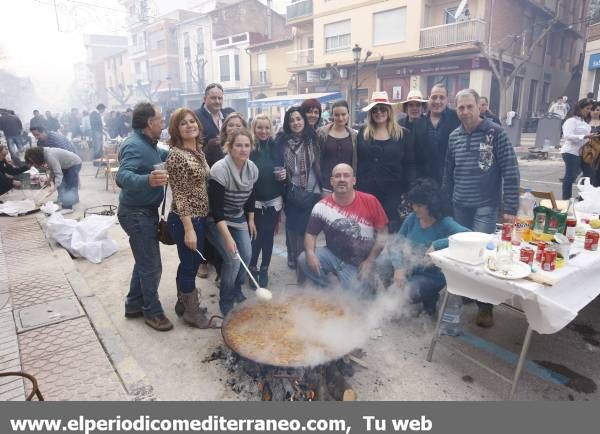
column 524, row 221
column 489, row 252
column 451, row 317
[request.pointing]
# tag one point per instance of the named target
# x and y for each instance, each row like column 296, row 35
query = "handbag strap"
column 164, row 204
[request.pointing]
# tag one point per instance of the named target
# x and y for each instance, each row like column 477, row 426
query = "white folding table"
column 547, row 309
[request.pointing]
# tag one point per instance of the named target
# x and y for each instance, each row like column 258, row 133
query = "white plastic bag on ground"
column 87, row 238
column 590, row 195
column 15, row 208
column 49, row 208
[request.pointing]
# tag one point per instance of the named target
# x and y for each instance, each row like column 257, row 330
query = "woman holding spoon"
column 231, row 223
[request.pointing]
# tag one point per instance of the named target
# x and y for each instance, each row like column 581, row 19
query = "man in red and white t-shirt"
column 355, row 226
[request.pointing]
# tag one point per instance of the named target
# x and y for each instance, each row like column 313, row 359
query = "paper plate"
column 518, row 270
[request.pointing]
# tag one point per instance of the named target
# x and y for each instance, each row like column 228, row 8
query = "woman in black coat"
column 386, row 160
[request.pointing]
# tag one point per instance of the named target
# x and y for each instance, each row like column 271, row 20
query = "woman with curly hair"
column 405, row 261
column 188, row 178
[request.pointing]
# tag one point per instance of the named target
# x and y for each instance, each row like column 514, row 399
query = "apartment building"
column 413, row 44
column 98, row 48
column 235, row 29
column 590, row 81
column 119, row 85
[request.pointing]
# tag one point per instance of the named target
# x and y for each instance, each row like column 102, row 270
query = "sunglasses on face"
column 379, row 108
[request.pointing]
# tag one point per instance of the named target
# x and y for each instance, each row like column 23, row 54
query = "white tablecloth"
column 548, row 309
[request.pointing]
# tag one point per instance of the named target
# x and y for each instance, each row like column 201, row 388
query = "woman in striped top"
column 231, row 222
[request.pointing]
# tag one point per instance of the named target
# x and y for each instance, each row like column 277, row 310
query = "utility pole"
column 56, row 14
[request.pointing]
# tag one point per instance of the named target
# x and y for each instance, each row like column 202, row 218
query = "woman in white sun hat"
column 414, row 106
column 385, row 157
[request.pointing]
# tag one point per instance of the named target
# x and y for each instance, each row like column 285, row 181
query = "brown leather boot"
column 193, row 314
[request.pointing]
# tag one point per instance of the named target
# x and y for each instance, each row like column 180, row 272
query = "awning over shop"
column 289, row 100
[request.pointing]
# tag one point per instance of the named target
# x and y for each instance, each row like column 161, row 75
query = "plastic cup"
column 279, row 172
column 159, row 166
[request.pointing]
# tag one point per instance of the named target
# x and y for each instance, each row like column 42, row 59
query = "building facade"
column 119, row 85
column 413, row 44
column 590, row 81
column 98, row 48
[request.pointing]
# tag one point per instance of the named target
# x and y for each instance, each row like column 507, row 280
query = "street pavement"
column 177, row 365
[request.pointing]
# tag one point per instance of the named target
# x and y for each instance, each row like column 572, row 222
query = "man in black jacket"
column 212, row 113
column 8, row 172
column 431, row 134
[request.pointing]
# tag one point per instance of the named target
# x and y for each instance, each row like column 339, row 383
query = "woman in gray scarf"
column 231, row 221
column 300, row 153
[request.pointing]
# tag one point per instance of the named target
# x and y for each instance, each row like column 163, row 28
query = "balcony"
column 261, row 78
column 300, row 58
column 446, row 35
column 300, row 9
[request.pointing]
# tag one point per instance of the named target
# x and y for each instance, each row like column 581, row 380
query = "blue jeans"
column 345, row 272
column 141, row 225
column 97, row 143
column 189, row 261
column 68, row 190
column 422, row 288
column 481, row 219
column 232, row 272
column 572, row 170
column 15, row 145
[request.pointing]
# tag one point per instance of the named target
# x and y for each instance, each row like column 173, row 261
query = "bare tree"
column 497, row 57
column 121, row 93
column 148, row 90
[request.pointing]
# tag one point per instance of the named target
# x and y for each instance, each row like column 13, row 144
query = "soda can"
column 549, row 262
column 591, row 240
column 507, row 229
column 527, row 254
column 539, row 254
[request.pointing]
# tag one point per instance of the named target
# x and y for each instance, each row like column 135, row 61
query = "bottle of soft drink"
column 451, row 316
column 571, row 221
column 524, row 221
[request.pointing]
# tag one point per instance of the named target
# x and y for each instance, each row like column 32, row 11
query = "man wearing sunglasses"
column 212, row 113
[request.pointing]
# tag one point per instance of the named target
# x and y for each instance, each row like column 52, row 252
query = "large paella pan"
column 296, row 329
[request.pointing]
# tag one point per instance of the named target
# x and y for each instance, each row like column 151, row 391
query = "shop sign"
column 433, row 68
column 594, row 61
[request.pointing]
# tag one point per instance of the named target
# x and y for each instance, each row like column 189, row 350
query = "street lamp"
column 356, row 51
column 168, row 78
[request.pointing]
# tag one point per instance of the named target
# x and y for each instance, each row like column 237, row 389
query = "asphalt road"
column 542, row 175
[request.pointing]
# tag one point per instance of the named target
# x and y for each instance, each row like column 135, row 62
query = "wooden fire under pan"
column 299, row 334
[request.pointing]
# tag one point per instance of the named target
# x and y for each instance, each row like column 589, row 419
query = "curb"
column 130, row 373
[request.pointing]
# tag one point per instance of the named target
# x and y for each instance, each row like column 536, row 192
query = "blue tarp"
column 289, row 100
